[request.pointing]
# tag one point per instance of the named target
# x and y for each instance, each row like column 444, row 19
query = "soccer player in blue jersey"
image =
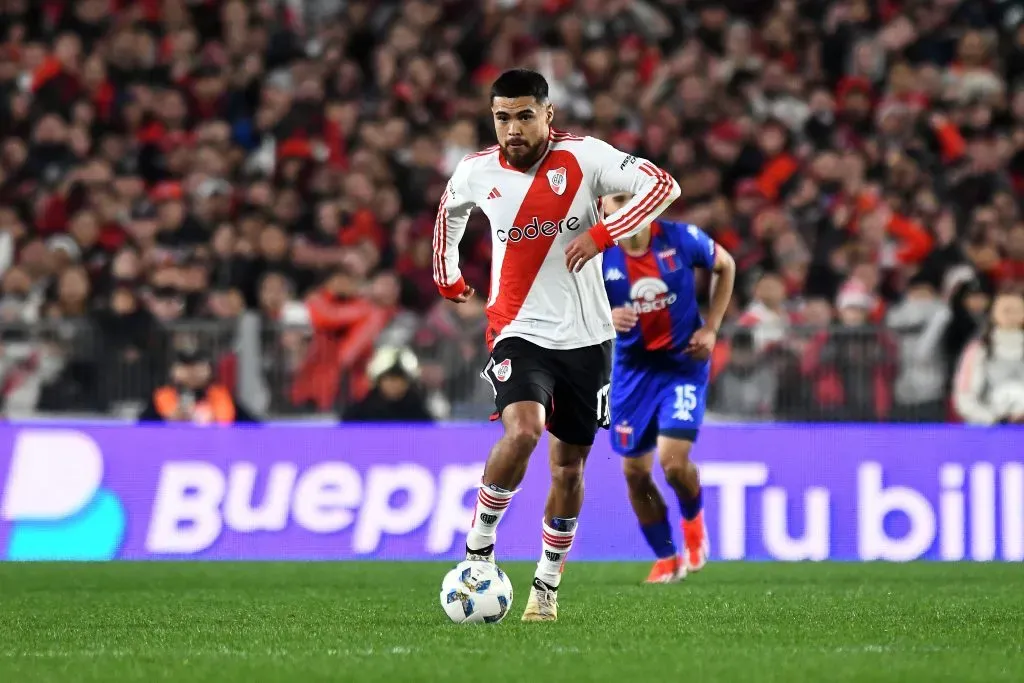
column 660, row 371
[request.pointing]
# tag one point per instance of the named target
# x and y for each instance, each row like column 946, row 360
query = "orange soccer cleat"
column 667, row 570
column 695, row 536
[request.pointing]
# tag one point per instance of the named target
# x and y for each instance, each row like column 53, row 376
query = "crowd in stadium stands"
column 164, row 160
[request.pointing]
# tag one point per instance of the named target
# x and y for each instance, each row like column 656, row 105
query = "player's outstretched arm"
column 449, row 227
column 612, row 172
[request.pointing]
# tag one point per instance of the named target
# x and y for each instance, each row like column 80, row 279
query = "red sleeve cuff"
column 453, row 290
column 601, row 237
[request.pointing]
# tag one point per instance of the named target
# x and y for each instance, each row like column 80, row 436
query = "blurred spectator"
column 345, row 326
column 451, row 347
column 747, row 388
column 416, row 268
column 1009, row 273
column 385, row 291
column 72, row 300
column 284, row 339
column 919, row 323
column 851, row 368
column 277, row 302
column 74, row 389
column 969, row 303
column 20, row 302
column 131, row 356
column 395, row 397
column 817, row 313
column 193, row 396
column 990, row 380
column 767, row 314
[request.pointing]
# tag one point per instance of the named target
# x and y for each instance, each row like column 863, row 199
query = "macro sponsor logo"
column 536, row 229
column 650, row 294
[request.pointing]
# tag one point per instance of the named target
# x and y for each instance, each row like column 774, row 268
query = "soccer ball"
column 476, row 593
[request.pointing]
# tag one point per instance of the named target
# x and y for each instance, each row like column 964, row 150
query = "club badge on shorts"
column 624, row 436
column 557, row 180
column 503, row 370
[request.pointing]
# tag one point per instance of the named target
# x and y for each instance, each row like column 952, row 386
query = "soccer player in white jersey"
column 549, row 322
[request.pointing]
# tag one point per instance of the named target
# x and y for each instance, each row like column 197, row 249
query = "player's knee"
column 639, row 482
column 638, row 475
column 524, row 435
column 680, row 469
column 676, row 470
column 674, row 455
column 567, row 477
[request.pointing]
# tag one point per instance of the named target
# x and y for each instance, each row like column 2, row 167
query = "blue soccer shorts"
column 646, row 404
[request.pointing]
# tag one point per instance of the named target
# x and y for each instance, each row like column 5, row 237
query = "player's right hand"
column 624, row 318
column 466, row 295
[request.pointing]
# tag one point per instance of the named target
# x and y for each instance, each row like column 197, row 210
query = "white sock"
column 555, row 546
column 491, row 503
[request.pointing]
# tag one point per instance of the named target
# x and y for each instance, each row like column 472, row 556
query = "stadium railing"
column 86, row 368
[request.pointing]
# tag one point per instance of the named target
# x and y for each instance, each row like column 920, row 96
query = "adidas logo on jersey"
column 651, row 294
column 614, row 275
column 494, row 193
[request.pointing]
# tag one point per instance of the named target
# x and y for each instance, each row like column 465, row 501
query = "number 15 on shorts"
column 685, row 403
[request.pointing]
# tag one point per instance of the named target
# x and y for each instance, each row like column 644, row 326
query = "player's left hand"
column 466, row 295
column 702, row 343
column 579, row 251
column 624, row 318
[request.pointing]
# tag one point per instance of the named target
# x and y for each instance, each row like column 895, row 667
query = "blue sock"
column 659, row 537
column 691, row 507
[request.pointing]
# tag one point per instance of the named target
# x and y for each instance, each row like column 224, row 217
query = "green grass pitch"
column 307, row 622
